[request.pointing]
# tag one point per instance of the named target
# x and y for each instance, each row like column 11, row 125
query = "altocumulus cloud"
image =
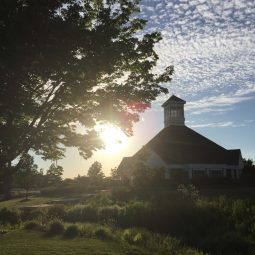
column 212, row 46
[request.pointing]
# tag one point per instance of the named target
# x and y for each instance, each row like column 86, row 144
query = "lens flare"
column 113, row 138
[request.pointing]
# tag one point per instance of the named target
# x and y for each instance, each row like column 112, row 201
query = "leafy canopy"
column 66, row 65
column 95, row 170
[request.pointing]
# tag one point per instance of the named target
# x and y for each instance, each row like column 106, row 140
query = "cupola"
column 174, row 111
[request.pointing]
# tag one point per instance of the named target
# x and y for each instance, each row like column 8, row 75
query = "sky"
column 212, row 47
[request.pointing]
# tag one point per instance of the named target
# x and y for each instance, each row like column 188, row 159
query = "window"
column 216, row 173
column 198, row 173
column 174, row 113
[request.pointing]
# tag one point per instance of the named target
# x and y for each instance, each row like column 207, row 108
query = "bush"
column 56, row 228
column 33, row 225
column 109, row 213
column 72, row 231
column 34, row 214
column 87, row 230
column 171, row 244
column 134, row 236
column 229, row 243
column 82, row 213
column 188, row 191
column 136, row 214
column 57, row 211
column 103, row 233
column 8, row 216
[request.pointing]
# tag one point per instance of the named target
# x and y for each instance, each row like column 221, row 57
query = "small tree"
column 95, row 170
column 114, row 173
column 249, row 167
column 145, row 176
column 26, row 175
column 54, row 174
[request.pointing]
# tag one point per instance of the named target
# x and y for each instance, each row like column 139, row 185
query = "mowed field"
column 22, row 242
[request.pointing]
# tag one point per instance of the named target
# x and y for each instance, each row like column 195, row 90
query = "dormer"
column 174, row 111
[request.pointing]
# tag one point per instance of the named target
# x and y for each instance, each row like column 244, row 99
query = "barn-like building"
column 180, row 150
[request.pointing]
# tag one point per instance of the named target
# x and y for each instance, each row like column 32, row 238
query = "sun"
column 113, row 138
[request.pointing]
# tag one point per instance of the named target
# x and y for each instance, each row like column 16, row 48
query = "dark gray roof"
column 182, row 145
column 174, row 98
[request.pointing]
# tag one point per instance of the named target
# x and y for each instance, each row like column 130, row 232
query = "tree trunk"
column 7, row 181
column 26, row 194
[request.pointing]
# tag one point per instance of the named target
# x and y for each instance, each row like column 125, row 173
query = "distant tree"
column 54, row 174
column 95, row 170
column 70, row 64
column 114, row 173
column 26, row 176
column 249, row 166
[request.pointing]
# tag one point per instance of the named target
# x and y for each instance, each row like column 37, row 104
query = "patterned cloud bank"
column 212, row 46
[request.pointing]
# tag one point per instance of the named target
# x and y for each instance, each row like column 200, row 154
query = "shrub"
column 87, row 230
column 136, row 214
column 171, row 244
column 34, row 214
column 3, row 231
column 82, row 213
column 134, row 236
column 8, row 216
column 56, row 228
column 109, row 213
column 103, row 233
column 72, row 231
column 57, row 211
column 33, row 225
column 188, row 191
column 121, row 193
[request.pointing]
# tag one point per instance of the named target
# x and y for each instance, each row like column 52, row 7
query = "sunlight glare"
column 113, row 138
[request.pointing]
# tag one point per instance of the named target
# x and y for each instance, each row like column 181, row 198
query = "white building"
column 181, row 150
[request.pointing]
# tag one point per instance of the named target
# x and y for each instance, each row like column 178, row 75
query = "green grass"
column 16, row 203
column 21, row 242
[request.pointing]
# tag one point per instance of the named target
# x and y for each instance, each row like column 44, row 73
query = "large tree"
column 66, row 65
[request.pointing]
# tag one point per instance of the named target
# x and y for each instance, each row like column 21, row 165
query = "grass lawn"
column 20, row 202
column 21, row 242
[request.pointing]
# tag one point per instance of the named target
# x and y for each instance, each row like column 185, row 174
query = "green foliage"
column 8, row 216
column 189, row 191
column 110, row 213
column 39, row 214
column 71, row 74
column 103, row 232
column 87, row 230
column 170, row 244
column 137, row 236
column 26, row 175
column 82, row 213
column 144, row 176
column 33, row 225
column 121, row 193
column 115, row 173
column 57, row 211
column 95, row 170
column 56, row 227
column 136, row 213
column 228, row 243
column 72, row 231
column 54, row 174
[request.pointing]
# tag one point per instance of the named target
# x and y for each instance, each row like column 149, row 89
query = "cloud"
column 212, row 46
column 219, row 103
column 217, row 125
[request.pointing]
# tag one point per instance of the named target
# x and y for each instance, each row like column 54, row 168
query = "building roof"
column 173, row 98
column 182, row 145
